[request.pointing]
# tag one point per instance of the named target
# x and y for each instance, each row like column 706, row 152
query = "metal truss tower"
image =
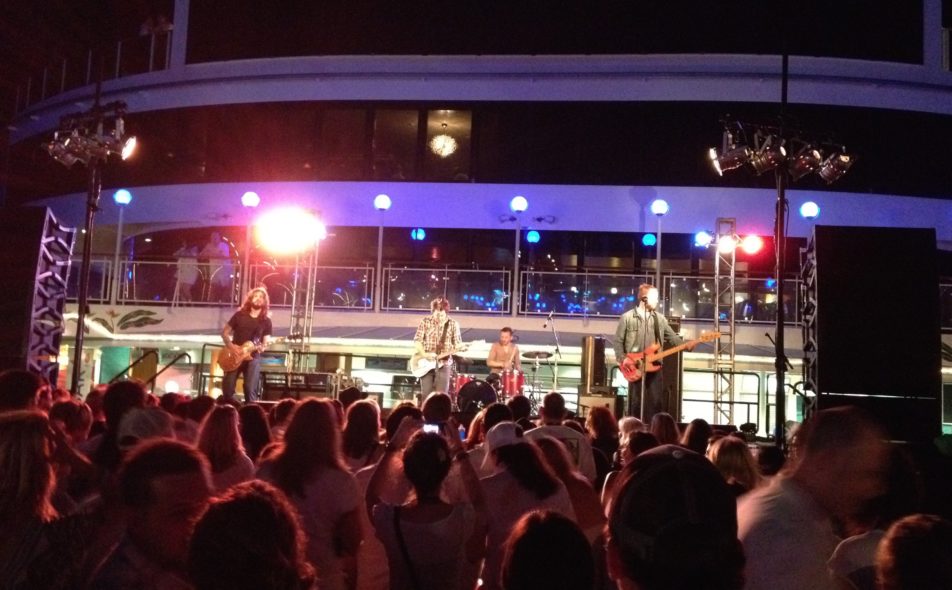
column 303, row 295
column 724, row 351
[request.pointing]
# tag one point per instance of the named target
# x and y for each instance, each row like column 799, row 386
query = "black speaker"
column 593, row 363
column 672, row 371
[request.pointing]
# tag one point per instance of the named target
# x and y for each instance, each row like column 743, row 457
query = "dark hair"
column 696, row 435
column 520, row 406
column 74, row 414
column 526, row 464
column 915, row 554
column 200, row 407
column 494, row 414
column 154, row 459
column 397, row 414
column 437, row 407
column 639, row 442
column 665, row 429
column 311, row 441
column 440, row 302
column 349, row 396
column 362, row 429
column 250, row 538
column 282, row 411
column 426, row 462
column 770, row 459
column 120, row 397
column 506, row 329
column 547, row 550
column 601, row 423
column 253, row 427
column 18, row 389
column 94, row 399
column 265, row 309
column 553, row 406
column 170, row 401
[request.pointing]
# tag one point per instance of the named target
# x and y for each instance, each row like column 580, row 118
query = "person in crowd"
column 914, row 554
column 437, row 338
column 338, row 412
column 696, row 436
column 665, row 429
column 309, row 469
column 476, row 433
column 521, row 482
column 626, row 427
column 94, row 399
column 673, row 525
column 770, row 460
column 521, row 408
column 18, row 390
column 49, row 395
column 361, row 437
column 250, row 538
column 550, row 424
column 254, row 431
column 638, row 443
column 493, row 414
column 120, row 398
column 279, row 416
column 585, row 501
column 249, row 326
column 73, row 418
column 547, row 550
column 220, row 441
column 350, row 395
column 219, row 269
column 734, row 460
column 602, row 430
column 141, row 424
column 165, row 486
column 186, row 273
column 428, row 540
column 787, row 527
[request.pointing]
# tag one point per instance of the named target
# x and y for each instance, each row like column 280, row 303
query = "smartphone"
column 434, row 427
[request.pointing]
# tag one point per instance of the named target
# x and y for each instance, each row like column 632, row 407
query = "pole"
column 516, row 296
column 116, row 271
column 378, row 282
column 780, row 248
column 94, row 190
column 658, row 265
column 246, row 263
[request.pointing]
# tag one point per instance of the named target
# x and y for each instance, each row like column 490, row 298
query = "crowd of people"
column 126, row 490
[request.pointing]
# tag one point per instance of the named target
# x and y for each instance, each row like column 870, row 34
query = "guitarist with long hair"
column 251, row 324
column 437, row 338
column 638, row 329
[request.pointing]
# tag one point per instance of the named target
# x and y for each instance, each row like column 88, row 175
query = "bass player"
column 638, row 329
column 437, row 338
column 249, row 324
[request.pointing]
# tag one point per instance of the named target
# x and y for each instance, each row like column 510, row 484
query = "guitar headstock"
column 709, row 336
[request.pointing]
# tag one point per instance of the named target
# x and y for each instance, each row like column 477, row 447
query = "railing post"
column 118, row 57
column 43, row 84
column 151, row 50
column 89, row 66
column 63, row 78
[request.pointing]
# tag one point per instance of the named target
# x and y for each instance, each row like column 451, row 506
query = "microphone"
column 547, row 320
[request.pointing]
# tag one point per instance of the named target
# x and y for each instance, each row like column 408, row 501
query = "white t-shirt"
column 577, row 443
column 436, row 549
column 506, row 502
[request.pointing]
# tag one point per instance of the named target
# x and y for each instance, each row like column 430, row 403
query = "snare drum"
column 460, row 380
column 512, row 382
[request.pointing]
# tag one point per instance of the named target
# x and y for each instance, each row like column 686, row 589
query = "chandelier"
column 443, row 145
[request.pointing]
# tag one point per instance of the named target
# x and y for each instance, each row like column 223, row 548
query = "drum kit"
column 473, row 394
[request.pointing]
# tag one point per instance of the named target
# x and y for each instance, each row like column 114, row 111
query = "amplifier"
column 616, row 404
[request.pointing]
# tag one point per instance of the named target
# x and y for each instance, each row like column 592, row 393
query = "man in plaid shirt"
column 437, row 335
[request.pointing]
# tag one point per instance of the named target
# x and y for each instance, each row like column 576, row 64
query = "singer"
column 638, row 329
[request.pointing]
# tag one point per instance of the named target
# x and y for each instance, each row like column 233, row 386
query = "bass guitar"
column 230, row 359
column 420, row 365
column 647, row 361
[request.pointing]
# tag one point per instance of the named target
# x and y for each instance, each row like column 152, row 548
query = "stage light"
column 533, row 237
column 768, row 155
column 806, row 161
column 417, row 234
column 809, row 210
column 250, row 199
column 289, row 230
column 752, row 244
column 730, row 159
column 726, row 244
column 649, row 240
column 129, row 148
column 771, row 283
column 518, row 204
column 703, row 239
column 835, row 166
column 659, row 207
column 382, row 202
column 122, row 197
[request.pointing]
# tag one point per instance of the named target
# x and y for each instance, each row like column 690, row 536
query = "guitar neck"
column 673, row 350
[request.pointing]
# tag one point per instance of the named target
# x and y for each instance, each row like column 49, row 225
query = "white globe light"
column 518, row 204
column 659, row 207
column 250, row 199
column 809, row 210
column 289, row 230
column 382, row 202
column 122, row 197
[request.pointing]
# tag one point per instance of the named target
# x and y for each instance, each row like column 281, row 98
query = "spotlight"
column 518, row 204
column 289, row 230
column 82, row 137
column 250, row 199
column 382, row 202
column 417, row 234
column 835, row 166
column 129, row 148
column 806, row 161
column 649, row 240
column 752, row 244
column 659, row 207
column 726, row 244
column 122, row 197
column 809, row 210
column 703, row 239
column 767, row 155
column 533, row 237
column 730, row 159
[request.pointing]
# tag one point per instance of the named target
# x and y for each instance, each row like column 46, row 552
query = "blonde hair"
column 735, row 462
column 28, row 477
column 219, row 438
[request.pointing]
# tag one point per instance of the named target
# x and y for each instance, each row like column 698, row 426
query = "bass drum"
column 475, row 395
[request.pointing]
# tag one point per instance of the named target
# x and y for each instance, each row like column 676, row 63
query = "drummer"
column 503, row 356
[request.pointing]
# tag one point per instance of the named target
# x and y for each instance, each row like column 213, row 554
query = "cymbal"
column 536, row 354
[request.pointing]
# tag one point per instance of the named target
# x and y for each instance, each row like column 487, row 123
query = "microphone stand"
column 644, row 356
column 558, row 355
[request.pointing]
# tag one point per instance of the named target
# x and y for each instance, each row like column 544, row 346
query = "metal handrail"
column 151, row 381
column 134, row 363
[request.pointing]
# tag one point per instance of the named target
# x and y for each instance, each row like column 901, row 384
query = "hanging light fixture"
column 443, row 145
column 835, row 166
column 769, row 152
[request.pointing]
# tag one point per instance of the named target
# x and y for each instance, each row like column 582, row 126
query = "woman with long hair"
column 665, row 429
column 585, row 501
column 254, row 430
column 736, row 463
column 602, row 430
column 521, row 482
column 309, row 469
column 696, row 436
column 220, row 441
column 361, row 438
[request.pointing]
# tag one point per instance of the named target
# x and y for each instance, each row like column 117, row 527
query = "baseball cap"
column 502, row 435
column 140, row 424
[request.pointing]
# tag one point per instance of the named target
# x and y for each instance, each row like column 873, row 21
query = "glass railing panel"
column 566, row 293
column 343, row 287
column 99, row 280
column 180, row 282
column 468, row 290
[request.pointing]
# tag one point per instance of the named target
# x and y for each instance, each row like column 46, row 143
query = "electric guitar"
column 647, row 361
column 230, row 359
column 420, row 365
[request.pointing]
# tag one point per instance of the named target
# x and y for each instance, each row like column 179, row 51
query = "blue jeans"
column 249, row 370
